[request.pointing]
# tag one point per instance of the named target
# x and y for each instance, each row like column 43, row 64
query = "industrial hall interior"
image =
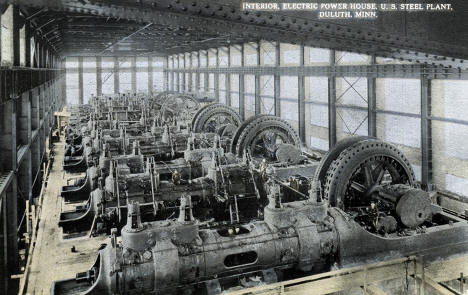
column 203, row 147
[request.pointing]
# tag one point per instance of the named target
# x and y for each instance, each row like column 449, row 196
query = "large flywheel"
column 361, row 169
column 179, row 107
column 239, row 131
column 158, row 99
column 262, row 135
column 215, row 117
column 332, row 155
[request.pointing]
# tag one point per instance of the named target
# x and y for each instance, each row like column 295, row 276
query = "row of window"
column 125, row 62
column 6, row 33
column 398, row 111
column 90, row 86
column 290, row 56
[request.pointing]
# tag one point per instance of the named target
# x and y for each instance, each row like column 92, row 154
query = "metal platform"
column 388, row 277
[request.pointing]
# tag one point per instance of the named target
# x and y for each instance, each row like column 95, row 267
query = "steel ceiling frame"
column 215, row 18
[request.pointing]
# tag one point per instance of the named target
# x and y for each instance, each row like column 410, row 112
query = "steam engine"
column 363, row 205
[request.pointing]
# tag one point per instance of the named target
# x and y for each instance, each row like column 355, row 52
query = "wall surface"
column 31, row 90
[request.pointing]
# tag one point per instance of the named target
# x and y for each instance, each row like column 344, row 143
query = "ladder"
column 152, row 180
column 233, row 212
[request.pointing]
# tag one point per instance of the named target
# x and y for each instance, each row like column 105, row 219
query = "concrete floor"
column 52, row 258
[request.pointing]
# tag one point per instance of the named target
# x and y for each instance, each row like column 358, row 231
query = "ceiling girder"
column 228, row 20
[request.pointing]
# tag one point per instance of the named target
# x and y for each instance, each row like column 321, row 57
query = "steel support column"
column 172, row 74
column 0, row 41
column 27, row 44
column 332, row 103
column 39, row 54
column 168, row 72
column 227, row 78
column 216, row 77
column 165, row 74
column 197, row 74
column 190, row 84
column 4, row 247
column 207, row 76
column 8, row 161
column 301, row 98
column 150, row 75
column 177, row 83
column 64, row 87
column 133, row 73
column 180, row 81
column 43, row 52
column 184, row 81
column 11, row 215
column 23, row 129
column 16, row 36
column 50, row 61
column 181, row 78
column 277, row 81
column 44, row 55
column 242, row 86
column 372, row 103
column 98, row 76
column 186, row 64
column 80, row 80
column 426, row 134
column 116, row 75
column 257, row 83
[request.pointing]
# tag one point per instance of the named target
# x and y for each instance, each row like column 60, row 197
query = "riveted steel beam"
column 171, row 72
column 216, row 76
column 27, row 44
column 149, row 60
column 182, row 65
column 257, row 80
column 177, row 76
column 426, row 134
column 190, row 86
column 242, row 86
column 277, row 81
column 209, row 17
column 16, row 35
column 133, row 73
column 98, row 76
column 372, row 104
column 227, row 78
column 332, row 103
column 116, row 75
column 301, row 98
column 80, row 80
column 197, row 74
column 206, row 77
column 410, row 71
